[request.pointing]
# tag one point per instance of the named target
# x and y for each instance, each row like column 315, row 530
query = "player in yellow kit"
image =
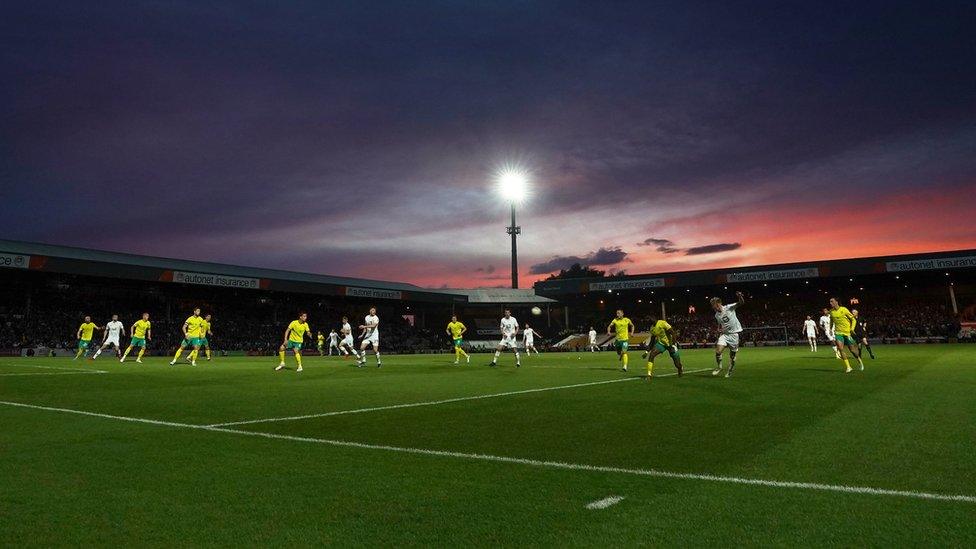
column 192, row 337
column 204, row 335
column 622, row 328
column 320, row 344
column 85, row 333
column 141, row 333
column 456, row 330
column 843, row 322
column 662, row 340
column 294, row 337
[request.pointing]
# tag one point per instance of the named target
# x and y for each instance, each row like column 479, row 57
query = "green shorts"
column 458, row 342
column 137, row 342
column 621, row 345
column 190, row 342
column 297, row 345
column 662, row 348
column 204, row 342
column 844, row 339
column 84, row 343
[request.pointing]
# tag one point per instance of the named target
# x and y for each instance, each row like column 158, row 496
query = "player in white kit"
column 729, row 329
column 347, row 345
column 334, row 342
column 592, row 344
column 370, row 336
column 810, row 328
column 528, row 340
column 114, row 330
column 828, row 330
column 509, row 327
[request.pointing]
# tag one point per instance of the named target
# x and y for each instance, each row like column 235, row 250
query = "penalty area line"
column 654, row 473
column 436, row 402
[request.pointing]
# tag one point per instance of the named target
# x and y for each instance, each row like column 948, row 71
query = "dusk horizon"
column 358, row 141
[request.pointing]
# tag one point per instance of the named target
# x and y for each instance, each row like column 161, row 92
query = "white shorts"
column 508, row 341
column 529, row 342
column 811, row 335
column 112, row 341
column 729, row 340
column 373, row 338
column 347, row 341
column 592, row 342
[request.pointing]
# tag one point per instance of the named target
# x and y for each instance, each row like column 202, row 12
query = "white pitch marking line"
column 434, row 402
column 61, row 368
column 416, row 404
column 866, row 490
column 604, row 503
column 52, row 373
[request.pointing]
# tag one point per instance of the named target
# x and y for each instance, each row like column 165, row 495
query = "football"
column 536, row 311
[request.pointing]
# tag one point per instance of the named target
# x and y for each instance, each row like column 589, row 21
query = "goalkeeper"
column 663, row 339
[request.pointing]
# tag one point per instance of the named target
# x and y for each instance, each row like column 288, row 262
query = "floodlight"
column 513, row 185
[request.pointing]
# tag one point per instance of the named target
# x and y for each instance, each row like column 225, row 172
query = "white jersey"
column 825, row 324
column 346, row 334
column 114, row 330
column 333, row 338
column 727, row 320
column 810, row 327
column 528, row 334
column 509, row 327
column 372, row 320
column 592, row 337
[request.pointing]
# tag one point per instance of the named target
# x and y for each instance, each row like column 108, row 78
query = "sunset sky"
column 362, row 138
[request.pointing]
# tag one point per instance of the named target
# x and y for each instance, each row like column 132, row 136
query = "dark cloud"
column 713, row 248
column 600, row 258
column 662, row 245
column 487, row 270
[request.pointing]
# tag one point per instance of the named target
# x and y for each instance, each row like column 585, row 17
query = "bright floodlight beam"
column 513, row 185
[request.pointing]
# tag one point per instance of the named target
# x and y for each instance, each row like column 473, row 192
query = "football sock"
column 298, row 357
column 517, row 357
column 626, row 359
column 208, row 354
column 178, row 353
column 847, row 363
column 732, row 358
column 650, row 368
column 142, row 350
column 98, row 352
column 462, row 352
column 718, row 361
column 193, row 355
column 377, row 356
column 282, row 355
column 127, row 351
column 78, row 354
column 497, row 353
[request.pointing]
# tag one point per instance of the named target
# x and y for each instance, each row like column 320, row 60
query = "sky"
column 364, row 138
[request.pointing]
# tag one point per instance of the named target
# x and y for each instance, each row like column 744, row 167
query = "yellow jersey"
column 297, row 330
column 140, row 328
column 843, row 321
column 660, row 332
column 622, row 327
column 193, row 325
column 456, row 328
column 87, row 330
column 204, row 328
column 320, row 339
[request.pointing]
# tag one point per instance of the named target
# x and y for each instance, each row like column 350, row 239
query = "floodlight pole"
column 514, row 230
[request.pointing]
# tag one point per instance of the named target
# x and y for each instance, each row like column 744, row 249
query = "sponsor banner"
column 374, row 293
column 958, row 262
column 15, row 261
column 638, row 284
column 763, row 276
column 223, row 281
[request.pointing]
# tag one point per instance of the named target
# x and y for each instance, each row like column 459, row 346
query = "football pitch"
column 566, row 450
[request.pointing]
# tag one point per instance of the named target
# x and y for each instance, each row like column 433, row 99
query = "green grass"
column 907, row 423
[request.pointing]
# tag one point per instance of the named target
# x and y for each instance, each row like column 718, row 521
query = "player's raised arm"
column 741, row 299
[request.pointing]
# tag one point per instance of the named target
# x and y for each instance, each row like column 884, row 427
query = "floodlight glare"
column 513, row 185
